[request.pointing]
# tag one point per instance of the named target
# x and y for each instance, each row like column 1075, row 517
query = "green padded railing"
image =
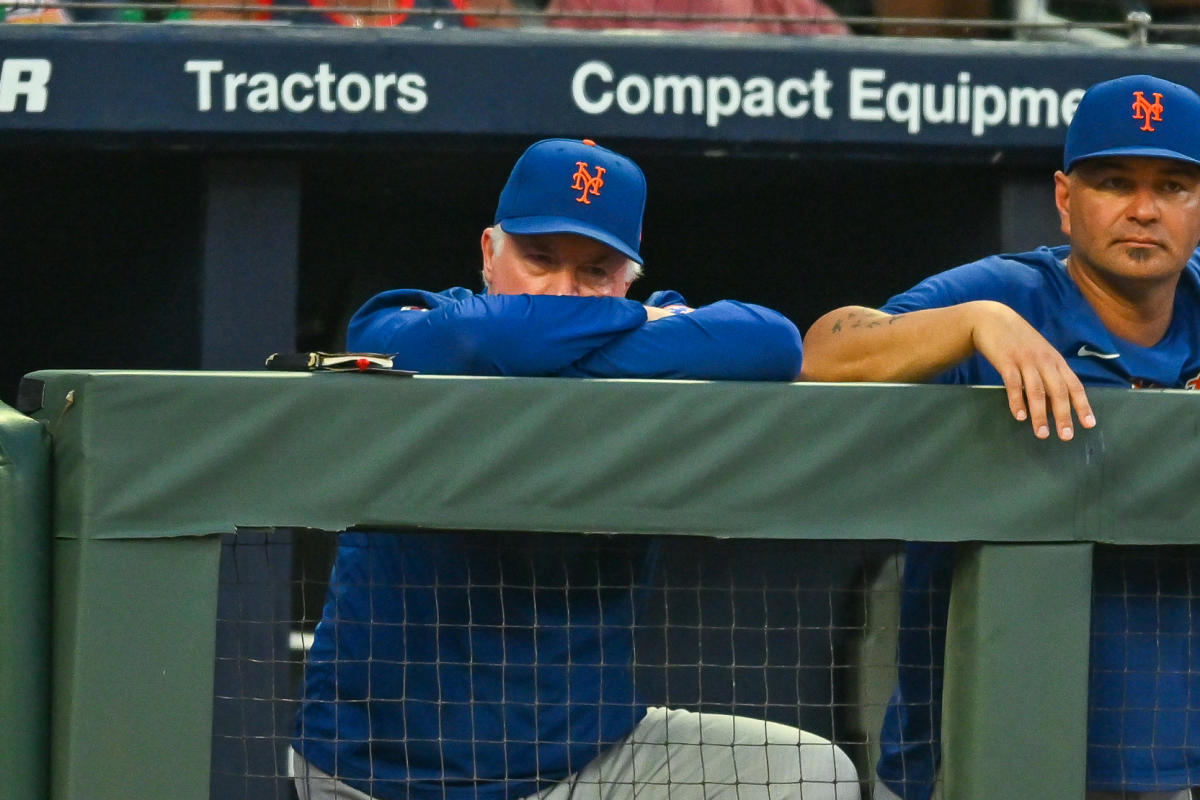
column 150, row 467
column 24, row 605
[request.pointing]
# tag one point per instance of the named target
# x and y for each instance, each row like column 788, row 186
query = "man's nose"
column 563, row 282
column 1143, row 206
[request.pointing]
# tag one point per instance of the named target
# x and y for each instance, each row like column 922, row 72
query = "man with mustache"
column 1118, row 306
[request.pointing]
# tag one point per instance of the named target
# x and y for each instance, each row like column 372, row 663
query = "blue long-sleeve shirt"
column 458, row 332
column 488, row 665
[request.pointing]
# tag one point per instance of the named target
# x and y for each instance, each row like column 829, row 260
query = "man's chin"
column 1142, row 253
column 1139, row 264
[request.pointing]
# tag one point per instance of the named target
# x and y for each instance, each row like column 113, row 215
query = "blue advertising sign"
column 839, row 91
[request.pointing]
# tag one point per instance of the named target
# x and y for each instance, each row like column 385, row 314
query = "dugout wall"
column 25, row 544
column 150, row 467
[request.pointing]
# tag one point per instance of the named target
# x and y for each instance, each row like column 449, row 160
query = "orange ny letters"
column 586, row 182
column 1144, row 109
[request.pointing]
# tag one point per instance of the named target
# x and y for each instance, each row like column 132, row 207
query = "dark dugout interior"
column 799, row 234
column 104, row 249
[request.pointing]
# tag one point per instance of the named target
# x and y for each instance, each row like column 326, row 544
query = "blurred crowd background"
column 1142, row 21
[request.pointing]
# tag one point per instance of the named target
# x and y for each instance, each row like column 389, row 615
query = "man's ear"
column 1062, row 201
column 487, row 247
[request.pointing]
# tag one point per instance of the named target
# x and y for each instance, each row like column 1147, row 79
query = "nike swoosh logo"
column 1085, row 351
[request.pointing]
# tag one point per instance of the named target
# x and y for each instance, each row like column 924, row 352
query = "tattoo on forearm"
column 856, row 320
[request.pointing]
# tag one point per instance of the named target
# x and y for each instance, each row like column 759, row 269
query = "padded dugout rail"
column 24, row 604
column 149, row 466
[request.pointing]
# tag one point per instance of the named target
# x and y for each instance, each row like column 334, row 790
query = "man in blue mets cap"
column 498, row 666
column 1137, row 115
column 1117, row 306
column 604, row 198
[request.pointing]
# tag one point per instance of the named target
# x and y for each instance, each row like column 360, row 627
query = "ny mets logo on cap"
column 1135, row 116
column 554, row 186
column 1143, row 109
column 586, row 182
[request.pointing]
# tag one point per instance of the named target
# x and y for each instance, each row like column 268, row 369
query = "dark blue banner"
column 181, row 79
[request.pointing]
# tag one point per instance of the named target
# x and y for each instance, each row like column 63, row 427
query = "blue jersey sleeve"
column 1016, row 279
column 727, row 340
column 461, row 333
column 1032, row 284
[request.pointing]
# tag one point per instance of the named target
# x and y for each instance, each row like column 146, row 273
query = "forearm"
column 512, row 335
column 723, row 341
column 862, row 344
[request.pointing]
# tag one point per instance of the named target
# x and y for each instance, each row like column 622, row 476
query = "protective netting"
column 1144, row 689
column 492, row 664
column 479, row 643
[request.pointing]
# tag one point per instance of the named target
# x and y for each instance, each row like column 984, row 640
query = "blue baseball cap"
column 1138, row 115
column 575, row 186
